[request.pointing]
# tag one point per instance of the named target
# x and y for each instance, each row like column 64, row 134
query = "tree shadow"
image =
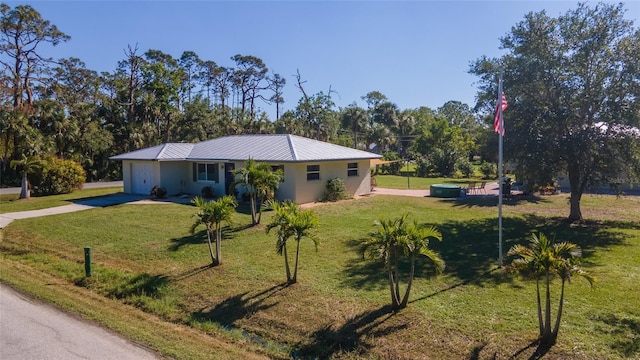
column 141, row 285
column 470, row 248
column 470, row 201
column 195, row 271
column 475, row 352
column 626, row 331
column 327, row 341
column 237, row 307
column 200, row 237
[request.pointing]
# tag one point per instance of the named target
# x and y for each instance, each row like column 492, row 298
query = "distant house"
column 187, row 168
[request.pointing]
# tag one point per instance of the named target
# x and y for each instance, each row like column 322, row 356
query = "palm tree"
column 28, row 165
column 260, row 182
column 354, row 118
column 291, row 221
column 212, row 214
column 394, row 239
column 542, row 259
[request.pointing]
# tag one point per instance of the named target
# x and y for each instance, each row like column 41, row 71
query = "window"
column 275, row 168
column 205, row 172
column 313, row 172
column 352, row 169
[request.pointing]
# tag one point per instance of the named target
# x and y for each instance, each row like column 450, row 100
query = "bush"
column 336, row 190
column 392, row 168
column 57, row 176
column 207, row 192
column 158, row 192
column 465, row 167
column 488, row 170
column 424, row 168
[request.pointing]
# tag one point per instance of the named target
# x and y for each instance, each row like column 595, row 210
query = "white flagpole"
column 500, row 169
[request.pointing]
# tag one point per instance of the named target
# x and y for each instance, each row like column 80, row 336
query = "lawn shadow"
column 470, row 249
column 141, row 285
column 238, row 307
column 200, row 237
column 349, row 337
column 470, row 201
column 626, row 330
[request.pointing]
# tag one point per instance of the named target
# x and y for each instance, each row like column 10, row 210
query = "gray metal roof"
column 164, row 152
column 270, row 148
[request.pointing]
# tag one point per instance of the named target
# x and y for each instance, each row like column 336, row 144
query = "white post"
column 500, row 168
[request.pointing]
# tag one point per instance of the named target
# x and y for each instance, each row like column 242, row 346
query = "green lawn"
column 147, row 264
column 11, row 203
column 417, row 183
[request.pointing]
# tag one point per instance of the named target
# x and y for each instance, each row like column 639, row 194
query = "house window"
column 313, row 172
column 275, row 168
column 205, row 172
column 352, row 169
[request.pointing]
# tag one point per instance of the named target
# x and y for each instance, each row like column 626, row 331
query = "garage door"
column 142, row 176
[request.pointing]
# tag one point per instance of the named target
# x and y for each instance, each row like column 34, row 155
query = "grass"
column 11, row 203
column 417, row 183
column 155, row 275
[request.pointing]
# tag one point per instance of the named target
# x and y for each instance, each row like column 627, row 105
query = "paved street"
column 33, row 330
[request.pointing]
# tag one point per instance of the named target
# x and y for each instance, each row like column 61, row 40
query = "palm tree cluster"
column 397, row 238
column 259, row 181
column 212, row 214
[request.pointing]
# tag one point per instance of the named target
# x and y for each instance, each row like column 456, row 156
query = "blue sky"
column 416, row 53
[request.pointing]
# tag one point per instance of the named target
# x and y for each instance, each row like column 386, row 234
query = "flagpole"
column 500, row 169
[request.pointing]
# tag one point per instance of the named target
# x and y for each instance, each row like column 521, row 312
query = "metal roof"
column 269, row 147
column 164, row 152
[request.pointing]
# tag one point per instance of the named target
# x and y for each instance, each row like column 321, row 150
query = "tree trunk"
column 252, row 200
column 218, row 244
column 540, row 321
column 25, row 193
column 577, row 188
column 405, row 300
column 286, row 262
column 556, row 328
column 546, row 337
column 295, row 269
column 213, row 258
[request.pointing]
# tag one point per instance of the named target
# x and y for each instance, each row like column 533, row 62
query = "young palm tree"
column 395, row 239
column 259, row 181
column 291, row 221
column 212, row 214
column 28, row 166
column 543, row 259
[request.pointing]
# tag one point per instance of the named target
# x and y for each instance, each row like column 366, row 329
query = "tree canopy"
column 573, row 83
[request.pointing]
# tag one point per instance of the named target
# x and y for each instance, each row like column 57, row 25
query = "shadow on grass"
column 626, row 330
column 200, row 237
column 492, row 201
column 141, row 285
column 326, row 342
column 470, row 248
column 238, row 307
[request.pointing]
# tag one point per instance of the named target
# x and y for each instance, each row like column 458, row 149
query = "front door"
column 228, row 176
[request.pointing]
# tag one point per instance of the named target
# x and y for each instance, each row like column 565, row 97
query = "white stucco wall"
column 310, row 191
column 174, row 176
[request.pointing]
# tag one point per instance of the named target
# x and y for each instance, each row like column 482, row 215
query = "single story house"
column 307, row 164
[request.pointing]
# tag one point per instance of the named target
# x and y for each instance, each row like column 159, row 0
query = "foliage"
column 57, row 176
column 259, row 181
column 544, row 258
column 207, row 192
column 291, row 221
column 465, row 167
column 212, row 214
column 336, row 190
column 489, row 170
column 159, row 192
column 396, row 238
column 27, row 166
column 391, row 168
column 572, row 84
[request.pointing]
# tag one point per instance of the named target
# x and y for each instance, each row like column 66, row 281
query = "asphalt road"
column 33, row 330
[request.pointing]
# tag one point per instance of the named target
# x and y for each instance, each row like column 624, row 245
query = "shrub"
column 158, row 192
column 488, row 170
column 392, row 168
column 465, row 167
column 336, row 190
column 424, row 168
column 207, row 192
column 57, row 176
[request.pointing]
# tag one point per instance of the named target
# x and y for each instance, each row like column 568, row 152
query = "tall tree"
column 354, row 119
column 276, row 84
column 249, row 79
column 573, row 86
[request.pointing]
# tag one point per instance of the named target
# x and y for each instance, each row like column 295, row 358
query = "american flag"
column 498, row 121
